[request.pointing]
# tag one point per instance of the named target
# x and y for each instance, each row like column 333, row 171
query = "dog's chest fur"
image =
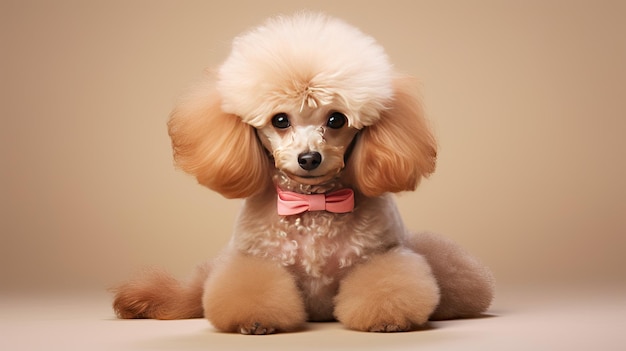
column 320, row 247
column 315, row 244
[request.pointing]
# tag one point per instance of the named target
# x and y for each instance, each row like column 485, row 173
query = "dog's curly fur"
column 298, row 85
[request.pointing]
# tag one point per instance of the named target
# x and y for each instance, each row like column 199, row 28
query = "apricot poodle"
column 309, row 123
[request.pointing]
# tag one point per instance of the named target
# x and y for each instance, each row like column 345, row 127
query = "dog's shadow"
column 314, row 336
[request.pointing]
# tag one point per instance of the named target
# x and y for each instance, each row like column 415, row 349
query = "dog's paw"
column 392, row 292
column 390, row 328
column 256, row 328
column 389, row 319
column 395, row 314
column 253, row 296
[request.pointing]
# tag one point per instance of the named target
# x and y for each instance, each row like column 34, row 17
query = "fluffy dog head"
column 307, row 60
column 311, row 97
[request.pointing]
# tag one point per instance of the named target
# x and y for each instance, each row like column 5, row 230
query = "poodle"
column 309, row 123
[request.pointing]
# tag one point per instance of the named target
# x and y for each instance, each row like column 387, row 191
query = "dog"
column 308, row 121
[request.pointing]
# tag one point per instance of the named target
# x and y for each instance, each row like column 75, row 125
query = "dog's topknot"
column 305, row 59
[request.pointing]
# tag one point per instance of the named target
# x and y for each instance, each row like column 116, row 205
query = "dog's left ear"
column 393, row 154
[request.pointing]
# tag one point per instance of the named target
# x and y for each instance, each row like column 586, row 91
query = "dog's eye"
column 336, row 120
column 281, row 121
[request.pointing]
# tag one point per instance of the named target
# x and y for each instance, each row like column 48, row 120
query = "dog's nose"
column 309, row 160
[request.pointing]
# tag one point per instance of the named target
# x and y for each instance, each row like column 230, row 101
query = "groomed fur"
column 395, row 291
column 308, row 59
column 156, row 294
column 362, row 267
column 220, row 150
column 393, row 154
column 467, row 286
column 253, row 296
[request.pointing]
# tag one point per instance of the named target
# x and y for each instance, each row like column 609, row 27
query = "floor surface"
column 559, row 319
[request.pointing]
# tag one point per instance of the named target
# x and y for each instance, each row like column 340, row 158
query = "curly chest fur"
column 318, row 245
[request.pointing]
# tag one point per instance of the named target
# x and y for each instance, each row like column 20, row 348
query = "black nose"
column 309, row 160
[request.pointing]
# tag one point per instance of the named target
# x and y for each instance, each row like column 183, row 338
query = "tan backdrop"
column 526, row 97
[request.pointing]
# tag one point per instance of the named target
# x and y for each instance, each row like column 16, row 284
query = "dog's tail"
column 156, row 294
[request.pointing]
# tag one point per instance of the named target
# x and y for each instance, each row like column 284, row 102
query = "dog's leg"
column 251, row 295
column 466, row 286
column 394, row 291
column 156, row 294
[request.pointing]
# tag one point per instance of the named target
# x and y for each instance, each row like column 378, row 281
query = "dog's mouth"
column 309, row 179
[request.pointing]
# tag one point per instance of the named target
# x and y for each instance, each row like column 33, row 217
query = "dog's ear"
column 393, row 154
column 220, row 150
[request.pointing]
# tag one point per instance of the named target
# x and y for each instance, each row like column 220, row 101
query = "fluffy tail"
column 156, row 294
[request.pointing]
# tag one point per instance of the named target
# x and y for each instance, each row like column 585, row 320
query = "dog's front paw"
column 388, row 317
column 253, row 296
column 256, row 328
column 393, row 292
column 389, row 328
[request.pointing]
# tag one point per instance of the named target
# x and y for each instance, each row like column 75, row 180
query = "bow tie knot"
column 290, row 203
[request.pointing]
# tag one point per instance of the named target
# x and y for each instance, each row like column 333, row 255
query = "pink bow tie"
column 290, row 203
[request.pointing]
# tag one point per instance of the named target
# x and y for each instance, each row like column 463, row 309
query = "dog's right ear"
column 220, row 150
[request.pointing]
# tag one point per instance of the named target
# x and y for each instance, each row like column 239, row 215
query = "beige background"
column 526, row 97
column 527, row 100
